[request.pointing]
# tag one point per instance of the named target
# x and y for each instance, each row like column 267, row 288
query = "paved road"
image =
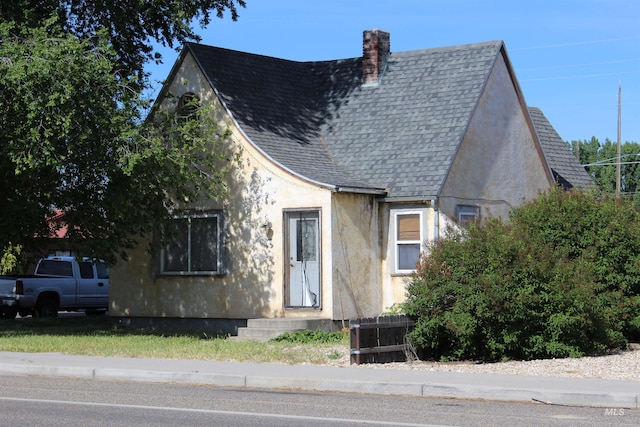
column 26, row 400
column 557, row 391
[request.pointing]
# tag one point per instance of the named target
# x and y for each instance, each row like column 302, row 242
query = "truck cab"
column 59, row 283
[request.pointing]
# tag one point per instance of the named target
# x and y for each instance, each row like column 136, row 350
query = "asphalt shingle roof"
column 319, row 121
column 559, row 157
column 404, row 133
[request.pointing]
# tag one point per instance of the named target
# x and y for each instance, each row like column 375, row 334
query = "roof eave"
column 527, row 115
column 361, row 190
column 410, row 199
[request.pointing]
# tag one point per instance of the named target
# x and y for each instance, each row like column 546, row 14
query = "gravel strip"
column 624, row 365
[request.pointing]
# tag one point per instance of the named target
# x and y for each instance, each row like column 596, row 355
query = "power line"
column 611, row 164
column 579, row 76
column 559, row 67
column 576, row 43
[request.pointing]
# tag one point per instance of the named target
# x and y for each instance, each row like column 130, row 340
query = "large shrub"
column 559, row 279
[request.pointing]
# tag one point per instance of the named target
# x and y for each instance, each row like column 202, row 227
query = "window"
column 49, row 267
column 467, row 214
column 188, row 105
column 102, row 270
column 86, row 270
column 408, row 240
column 194, row 245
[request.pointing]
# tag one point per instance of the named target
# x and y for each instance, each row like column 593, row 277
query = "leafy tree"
column 561, row 278
column 74, row 138
column 130, row 27
column 602, row 158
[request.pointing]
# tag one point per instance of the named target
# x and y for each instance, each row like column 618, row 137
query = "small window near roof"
column 188, row 105
column 466, row 214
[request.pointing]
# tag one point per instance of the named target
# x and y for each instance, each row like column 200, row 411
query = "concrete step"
column 266, row 329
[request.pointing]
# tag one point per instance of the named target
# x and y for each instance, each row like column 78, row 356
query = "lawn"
column 98, row 336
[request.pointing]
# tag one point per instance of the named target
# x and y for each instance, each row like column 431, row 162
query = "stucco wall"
column 253, row 286
column 498, row 165
column 356, row 253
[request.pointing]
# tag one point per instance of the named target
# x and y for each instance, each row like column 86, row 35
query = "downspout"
column 436, row 219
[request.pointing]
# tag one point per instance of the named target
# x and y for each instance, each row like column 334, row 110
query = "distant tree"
column 601, row 159
column 74, row 137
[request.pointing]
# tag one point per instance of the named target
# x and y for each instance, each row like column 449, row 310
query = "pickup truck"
column 59, row 283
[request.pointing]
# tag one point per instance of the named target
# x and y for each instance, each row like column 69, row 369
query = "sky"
column 570, row 56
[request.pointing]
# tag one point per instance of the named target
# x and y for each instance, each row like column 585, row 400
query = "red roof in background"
column 57, row 225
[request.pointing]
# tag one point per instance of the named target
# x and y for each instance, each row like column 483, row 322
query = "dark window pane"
column 55, row 268
column 86, row 270
column 103, row 271
column 408, row 256
column 204, row 244
column 176, row 252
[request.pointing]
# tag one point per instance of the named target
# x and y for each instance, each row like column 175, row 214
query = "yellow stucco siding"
column 356, row 253
column 498, row 165
column 260, row 192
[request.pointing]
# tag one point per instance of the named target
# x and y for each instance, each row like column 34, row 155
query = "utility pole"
column 619, row 142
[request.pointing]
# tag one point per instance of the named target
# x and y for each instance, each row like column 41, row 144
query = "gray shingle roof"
column 404, row 133
column 318, row 120
column 276, row 104
column 565, row 166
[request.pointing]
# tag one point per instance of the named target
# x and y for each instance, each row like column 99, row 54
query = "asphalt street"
column 549, row 390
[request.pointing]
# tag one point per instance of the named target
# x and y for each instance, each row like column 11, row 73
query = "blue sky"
column 569, row 56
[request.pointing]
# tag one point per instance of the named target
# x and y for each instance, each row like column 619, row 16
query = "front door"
column 303, row 259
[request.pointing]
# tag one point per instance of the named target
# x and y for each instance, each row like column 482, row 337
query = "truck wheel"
column 46, row 308
column 8, row 314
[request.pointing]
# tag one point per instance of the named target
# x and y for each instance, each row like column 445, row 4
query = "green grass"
column 98, row 336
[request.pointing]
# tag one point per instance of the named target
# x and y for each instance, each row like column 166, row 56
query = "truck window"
column 55, row 268
column 103, row 271
column 86, row 270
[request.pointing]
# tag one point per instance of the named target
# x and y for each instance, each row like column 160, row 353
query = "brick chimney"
column 376, row 47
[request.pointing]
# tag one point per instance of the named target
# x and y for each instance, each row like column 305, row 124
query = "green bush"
column 559, row 279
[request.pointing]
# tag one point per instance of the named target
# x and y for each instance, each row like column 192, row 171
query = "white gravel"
column 623, row 365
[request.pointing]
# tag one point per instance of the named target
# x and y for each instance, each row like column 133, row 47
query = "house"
column 54, row 243
column 348, row 167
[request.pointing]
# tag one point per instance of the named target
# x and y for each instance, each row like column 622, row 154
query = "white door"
column 304, row 259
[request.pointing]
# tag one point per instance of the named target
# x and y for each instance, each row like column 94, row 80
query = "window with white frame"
column 408, row 239
column 194, row 245
column 467, row 214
